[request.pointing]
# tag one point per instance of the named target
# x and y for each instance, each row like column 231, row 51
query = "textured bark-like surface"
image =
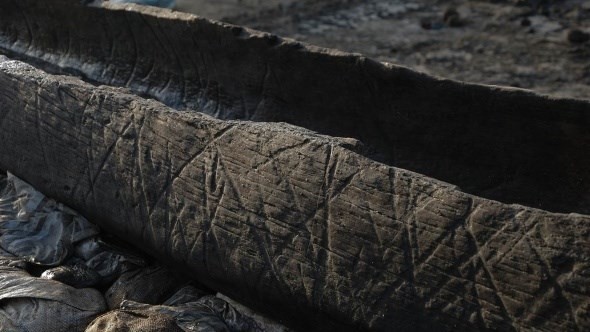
column 507, row 145
column 128, row 320
column 291, row 222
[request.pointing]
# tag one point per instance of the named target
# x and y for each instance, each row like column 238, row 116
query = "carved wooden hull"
column 306, row 227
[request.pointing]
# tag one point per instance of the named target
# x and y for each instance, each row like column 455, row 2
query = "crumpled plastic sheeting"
column 33, row 304
column 78, row 275
column 204, row 314
column 106, row 259
column 36, row 228
column 185, row 294
column 265, row 323
column 151, row 284
column 187, row 310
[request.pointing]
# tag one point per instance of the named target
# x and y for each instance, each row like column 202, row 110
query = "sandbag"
column 136, row 321
column 206, row 314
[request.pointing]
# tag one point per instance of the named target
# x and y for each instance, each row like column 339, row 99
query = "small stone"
column 449, row 13
column 577, row 36
column 454, row 21
column 430, row 24
column 452, row 18
column 525, row 22
column 426, row 24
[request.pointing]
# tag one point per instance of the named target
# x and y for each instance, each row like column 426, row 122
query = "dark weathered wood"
column 290, row 221
column 507, row 145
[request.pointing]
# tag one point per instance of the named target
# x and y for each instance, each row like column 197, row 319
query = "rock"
column 454, row 21
column 426, row 23
column 452, row 18
column 577, row 36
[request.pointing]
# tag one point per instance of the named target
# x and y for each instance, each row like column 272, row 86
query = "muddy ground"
column 513, row 43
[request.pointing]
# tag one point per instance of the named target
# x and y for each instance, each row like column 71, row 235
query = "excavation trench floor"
column 498, row 42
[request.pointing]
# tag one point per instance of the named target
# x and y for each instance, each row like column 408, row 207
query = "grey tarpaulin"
column 151, row 284
column 28, row 303
column 106, row 259
column 36, row 228
column 40, row 230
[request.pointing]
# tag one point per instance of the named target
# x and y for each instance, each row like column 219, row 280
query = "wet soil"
column 521, row 44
